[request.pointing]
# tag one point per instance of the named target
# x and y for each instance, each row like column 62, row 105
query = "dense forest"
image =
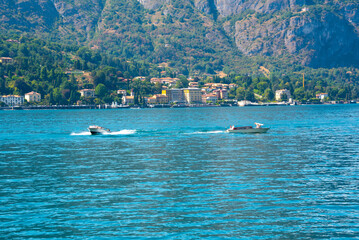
column 58, row 71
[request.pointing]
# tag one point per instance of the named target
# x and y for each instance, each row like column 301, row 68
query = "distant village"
column 211, row 94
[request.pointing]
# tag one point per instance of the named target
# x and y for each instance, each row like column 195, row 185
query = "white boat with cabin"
column 94, row 130
column 248, row 129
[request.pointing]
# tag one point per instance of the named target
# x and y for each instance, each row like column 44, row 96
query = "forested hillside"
column 58, row 71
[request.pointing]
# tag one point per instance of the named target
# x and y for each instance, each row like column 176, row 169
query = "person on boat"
column 258, row 125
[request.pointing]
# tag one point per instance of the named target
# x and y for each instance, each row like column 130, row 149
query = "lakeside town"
column 209, row 94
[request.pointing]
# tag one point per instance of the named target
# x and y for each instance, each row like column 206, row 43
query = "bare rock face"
column 34, row 14
column 315, row 40
column 79, row 14
column 153, row 4
column 351, row 13
column 232, row 7
column 203, row 5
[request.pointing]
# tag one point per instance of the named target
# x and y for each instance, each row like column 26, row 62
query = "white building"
column 280, row 93
column 12, row 100
column 87, row 93
column 322, row 96
column 33, row 97
column 174, row 95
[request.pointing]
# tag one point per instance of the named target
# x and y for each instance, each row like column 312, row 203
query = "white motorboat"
column 248, row 129
column 98, row 130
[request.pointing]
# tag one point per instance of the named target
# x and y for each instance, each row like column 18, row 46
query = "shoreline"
column 74, row 107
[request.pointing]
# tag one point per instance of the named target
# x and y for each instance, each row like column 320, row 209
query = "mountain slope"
column 198, row 35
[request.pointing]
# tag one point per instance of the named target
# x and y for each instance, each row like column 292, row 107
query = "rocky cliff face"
column 232, row 7
column 313, row 40
column 25, row 14
column 78, row 17
column 150, row 4
column 323, row 35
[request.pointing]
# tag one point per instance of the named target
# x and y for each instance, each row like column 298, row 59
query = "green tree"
column 262, row 86
column 74, row 97
column 22, row 86
column 299, row 93
column 240, row 94
column 341, row 94
column 100, row 90
column 268, row 94
column 250, row 96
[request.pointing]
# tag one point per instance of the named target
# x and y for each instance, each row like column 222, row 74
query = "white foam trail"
column 122, row 132
column 81, row 134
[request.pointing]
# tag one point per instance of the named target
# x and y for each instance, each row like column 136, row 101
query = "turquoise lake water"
column 175, row 174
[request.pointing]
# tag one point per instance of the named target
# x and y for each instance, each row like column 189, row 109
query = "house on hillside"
column 87, row 93
column 193, row 84
column 122, row 92
column 6, row 60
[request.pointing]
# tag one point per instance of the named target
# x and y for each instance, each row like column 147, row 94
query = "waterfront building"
column 128, row 100
column 224, row 94
column 33, row 97
column 157, row 99
column 174, row 95
column 322, row 96
column 12, row 100
column 151, row 100
column 192, row 95
column 280, row 93
column 211, row 97
column 87, row 93
column 221, row 93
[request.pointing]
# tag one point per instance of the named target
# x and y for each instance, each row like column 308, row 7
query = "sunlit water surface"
column 176, row 174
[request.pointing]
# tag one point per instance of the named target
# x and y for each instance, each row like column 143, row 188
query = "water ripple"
column 181, row 177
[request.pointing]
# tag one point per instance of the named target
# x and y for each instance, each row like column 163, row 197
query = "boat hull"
column 97, row 131
column 248, row 130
